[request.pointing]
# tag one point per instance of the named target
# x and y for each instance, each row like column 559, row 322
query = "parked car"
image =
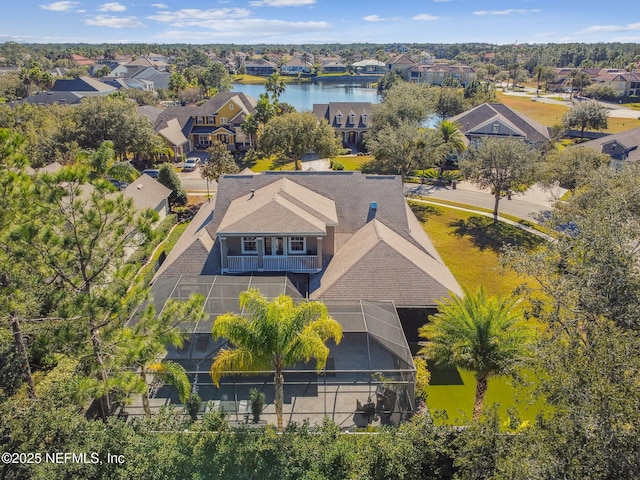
column 152, row 172
column 190, row 164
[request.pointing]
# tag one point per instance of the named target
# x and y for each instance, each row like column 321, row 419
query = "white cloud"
column 246, row 30
column 611, row 28
column 281, row 3
column 521, row 11
column 114, row 22
column 160, row 5
column 378, row 18
column 112, row 7
column 194, row 16
column 59, row 6
column 425, row 17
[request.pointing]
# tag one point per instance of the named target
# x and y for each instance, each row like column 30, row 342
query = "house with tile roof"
column 370, row 66
column 196, row 127
column 498, row 120
column 347, row 239
column 349, row 119
column 260, row 67
column 401, row 64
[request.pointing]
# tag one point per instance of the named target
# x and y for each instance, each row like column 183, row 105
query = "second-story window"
column 223, row 120
column 249, row 245
column 297, row 245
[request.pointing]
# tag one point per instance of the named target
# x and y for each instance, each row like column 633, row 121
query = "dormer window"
column 365, row 118
column 339, row 118
column 352, row 118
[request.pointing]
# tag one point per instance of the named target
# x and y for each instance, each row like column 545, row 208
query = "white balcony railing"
column 273, row 263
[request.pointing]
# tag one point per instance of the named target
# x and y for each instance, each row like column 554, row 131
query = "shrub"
column 257, row 400
column 193, row 405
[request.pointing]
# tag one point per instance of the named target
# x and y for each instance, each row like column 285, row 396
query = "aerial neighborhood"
column 320, row 261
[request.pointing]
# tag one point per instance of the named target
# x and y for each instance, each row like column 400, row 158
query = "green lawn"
column 470, row 244
column 352, row 162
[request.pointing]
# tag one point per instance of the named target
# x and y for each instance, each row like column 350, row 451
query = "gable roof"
column 173, row 133
column 472, row 122
column 379, row 264
column 280, row 207
column 82, row 84
column 49, row 98
column 630, row 140
column 146, row 192
column 329, row 111
column 380, row 253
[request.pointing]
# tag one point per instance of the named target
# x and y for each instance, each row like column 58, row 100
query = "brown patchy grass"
column 551, row 114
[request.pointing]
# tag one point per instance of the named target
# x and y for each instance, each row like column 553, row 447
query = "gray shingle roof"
column 380, row 253
column 629, row 139
column 146, row 192
column 472, row 122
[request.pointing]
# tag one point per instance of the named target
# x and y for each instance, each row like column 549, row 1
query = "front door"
column 274, row 246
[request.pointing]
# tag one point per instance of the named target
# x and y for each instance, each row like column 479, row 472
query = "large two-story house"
column 347, row 239
column 219, row 119
column 349, row 119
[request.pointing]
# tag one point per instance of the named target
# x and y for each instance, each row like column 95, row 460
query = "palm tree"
column 453, row 141
column 177, row 82
column 483, row 334
column 250, row 126
column 274, row 335
column 275, row 86
column 142, row 346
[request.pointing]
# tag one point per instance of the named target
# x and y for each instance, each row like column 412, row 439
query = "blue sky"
column 319, row 21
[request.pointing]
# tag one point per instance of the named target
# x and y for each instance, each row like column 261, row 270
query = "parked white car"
column 190, row 164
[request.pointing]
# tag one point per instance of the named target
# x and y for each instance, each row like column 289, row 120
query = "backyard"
column 470, row 245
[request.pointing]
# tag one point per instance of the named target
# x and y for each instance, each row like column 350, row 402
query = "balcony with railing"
column 273, row 263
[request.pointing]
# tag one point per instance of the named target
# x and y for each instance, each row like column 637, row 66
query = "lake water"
column 303, row 95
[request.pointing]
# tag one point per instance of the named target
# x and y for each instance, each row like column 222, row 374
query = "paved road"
column 517, row 207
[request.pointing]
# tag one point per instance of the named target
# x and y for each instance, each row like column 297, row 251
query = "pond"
column 303, row 95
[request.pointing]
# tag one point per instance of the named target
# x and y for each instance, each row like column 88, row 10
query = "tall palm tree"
column 482, row 334
column 250, row 126
column 177, row 82
column 452, row 141
column 274, row 335
column 275, row 86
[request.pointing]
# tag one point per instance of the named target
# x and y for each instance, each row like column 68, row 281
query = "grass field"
column 470, row 244
column 551, row 114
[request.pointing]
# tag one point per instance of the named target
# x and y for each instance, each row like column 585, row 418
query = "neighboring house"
column 296, row 66
column 49, row 98
column 350, row 119
column 148, row 62
column 370, row 66
column 219, row 118
column 160, row 79
column 334, row 67
column 134, row 83
column 401, row 64
column 345, row 238
column 436, row 73
column 260, row 67
column 81, row 61
column 498, row 120
column 83, row 86
column 115, row 69
column 624, row 82
column 621, row 147
column 152, row 113
column 147, row 192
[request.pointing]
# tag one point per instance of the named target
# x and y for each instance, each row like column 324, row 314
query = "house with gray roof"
column 498, row 120
column 83, row 86
column 197, row 127
column 146, row 192
column 349, row 119
column 345, row 238
column 621, row 147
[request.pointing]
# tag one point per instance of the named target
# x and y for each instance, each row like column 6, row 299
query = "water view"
column 303, row 95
